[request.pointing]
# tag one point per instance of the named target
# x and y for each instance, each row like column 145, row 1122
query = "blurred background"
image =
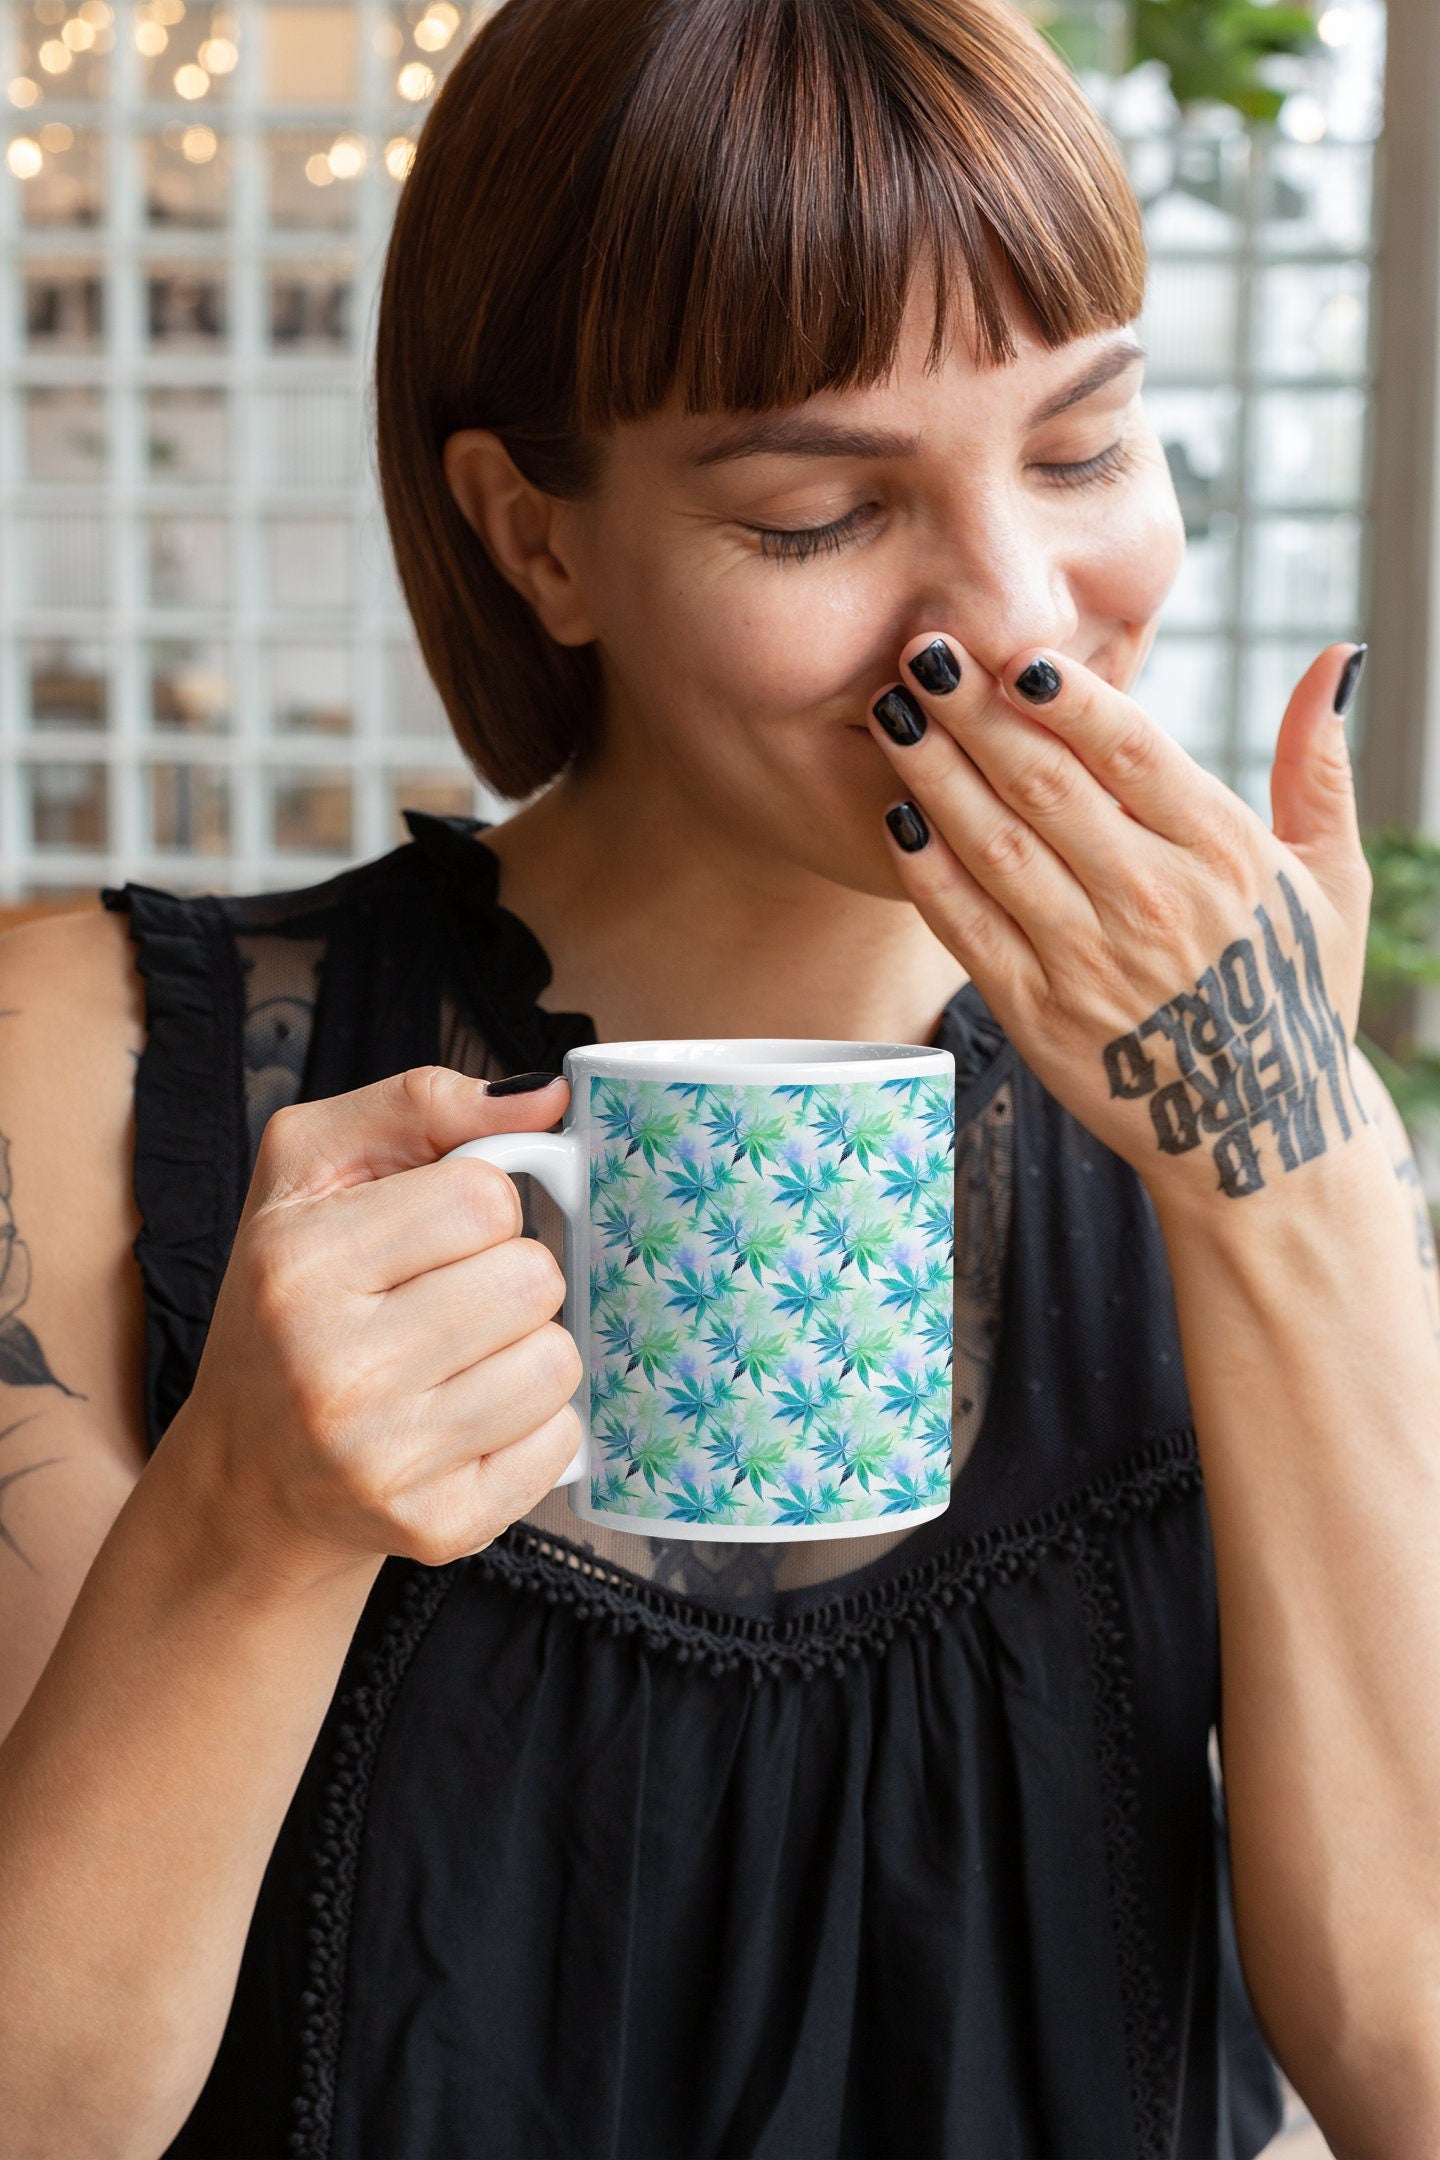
column 207, row 679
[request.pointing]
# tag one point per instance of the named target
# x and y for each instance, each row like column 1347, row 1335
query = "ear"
column 520, row 528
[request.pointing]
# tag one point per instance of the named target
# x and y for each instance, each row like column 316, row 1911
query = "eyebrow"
column 797, row 434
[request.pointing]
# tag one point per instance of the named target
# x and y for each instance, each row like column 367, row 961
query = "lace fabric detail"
column 826, row 1636
column 1150, row 2048
column 366, row 1707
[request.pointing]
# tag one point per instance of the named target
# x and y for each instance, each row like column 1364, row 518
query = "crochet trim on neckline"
column 823, row 1638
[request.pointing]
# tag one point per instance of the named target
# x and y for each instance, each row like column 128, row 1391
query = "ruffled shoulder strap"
column 189, row 1124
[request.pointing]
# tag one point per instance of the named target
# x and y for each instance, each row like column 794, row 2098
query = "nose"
column 1002, row 586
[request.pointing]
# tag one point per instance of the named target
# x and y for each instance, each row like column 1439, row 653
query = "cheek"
column 756, row 641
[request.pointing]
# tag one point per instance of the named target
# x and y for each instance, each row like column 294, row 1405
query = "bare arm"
column 171, row 1633
column 1313, row 1362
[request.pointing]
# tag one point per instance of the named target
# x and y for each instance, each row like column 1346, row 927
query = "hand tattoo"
column 1252, row 1053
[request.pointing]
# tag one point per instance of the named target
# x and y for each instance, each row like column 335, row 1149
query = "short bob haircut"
column 614, row 202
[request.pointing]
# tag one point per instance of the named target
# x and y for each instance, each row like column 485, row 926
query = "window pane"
column 310, row 308
column 1190, row 318
column 312, row 812
column 310, row 55
column 188, row 562
column 64, row 308
column 67, row 806
column 68, row 683
column 1184, row 686
column 414, row 702
column 187, row 54
column 185, row 309
column 309, row 562
column 44, row 64
column 1315, row 196
column 189, row 686
column 190, row 807
column 1307, row 447
column 1304, row 574
column 61, row 562
column 309, row 689
column 61, row 171
column 312, row 439
column 312, row 179
column 186, row 175
column 1312, row 319
column 65, row 435
column 187, row 435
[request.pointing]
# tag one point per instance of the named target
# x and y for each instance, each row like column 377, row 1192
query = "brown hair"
column 617, row 200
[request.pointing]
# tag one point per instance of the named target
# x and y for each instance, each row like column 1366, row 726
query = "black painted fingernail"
column 900, row 716
column 521, row 1084
column 1040, row 682
column 1350, row 681
column 909, row 827
column 936, row 669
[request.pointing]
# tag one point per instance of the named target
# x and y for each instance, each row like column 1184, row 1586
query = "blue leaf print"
column 911, row 1289
column 801, row 1402
column 835, row 1124
column 699, row 1397
column 693, row 1291
column 801, row 1184
column 822, row 1505
column 938, row 1115
column 800, row 1296
column 909, row 1393
column 694, row 1504
column 907, row 1492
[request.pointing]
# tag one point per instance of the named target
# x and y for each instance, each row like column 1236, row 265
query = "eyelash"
column 806, row 541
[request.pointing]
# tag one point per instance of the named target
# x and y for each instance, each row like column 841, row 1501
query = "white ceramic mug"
column 759, row 1257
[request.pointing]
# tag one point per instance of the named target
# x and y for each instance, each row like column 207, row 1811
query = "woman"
column 762, row 449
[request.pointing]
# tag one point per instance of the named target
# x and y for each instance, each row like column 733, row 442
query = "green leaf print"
column 857, row 1240
column 756, row 1458
column 695, row 1292
column 861, row 1455
column 800, row 1296
column 699, row 1397
column 694, row 1503
column 801, row 1402
column 800, row 1184
column 823, row 1505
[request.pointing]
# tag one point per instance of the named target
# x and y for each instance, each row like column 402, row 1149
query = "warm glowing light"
column 151, row 39
column 56, row 58
column 317, row 170
column 199, row 144
column 1336, row 26
column 24, row 157
column 168, row 11
column 435, row 28
column 415, row 81
column 399, row 156
column 56, row 137
column 24, row 93
column 219, row 55
column 97, row 13
column 78, row 34
column 1302, row 118
column 191, row 81
column 346, row 157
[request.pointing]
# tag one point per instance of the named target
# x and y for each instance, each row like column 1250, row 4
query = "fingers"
column 987, row 940
column 443, row 1322
column 399, row 1228
column 1117, row 743
column 410, row 1118
column 496, row 1401
column 1006, row 856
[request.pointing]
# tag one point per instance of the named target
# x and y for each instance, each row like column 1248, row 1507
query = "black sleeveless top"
column 615, row 1847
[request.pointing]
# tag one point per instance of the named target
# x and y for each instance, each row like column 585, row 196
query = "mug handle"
column 559, row 1161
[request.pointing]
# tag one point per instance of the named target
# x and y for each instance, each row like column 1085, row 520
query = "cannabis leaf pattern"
column 770, row 1300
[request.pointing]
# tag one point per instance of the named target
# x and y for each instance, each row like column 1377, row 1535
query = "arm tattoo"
column 22, row 1361
column 1258, row 1051
column 12, row 1477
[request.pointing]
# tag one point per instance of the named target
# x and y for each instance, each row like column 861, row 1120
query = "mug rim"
column 771, row 1060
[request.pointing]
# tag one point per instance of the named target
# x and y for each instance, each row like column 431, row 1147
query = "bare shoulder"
column 72, row 1028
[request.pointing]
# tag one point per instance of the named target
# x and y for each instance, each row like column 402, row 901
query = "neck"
column 656, row 925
